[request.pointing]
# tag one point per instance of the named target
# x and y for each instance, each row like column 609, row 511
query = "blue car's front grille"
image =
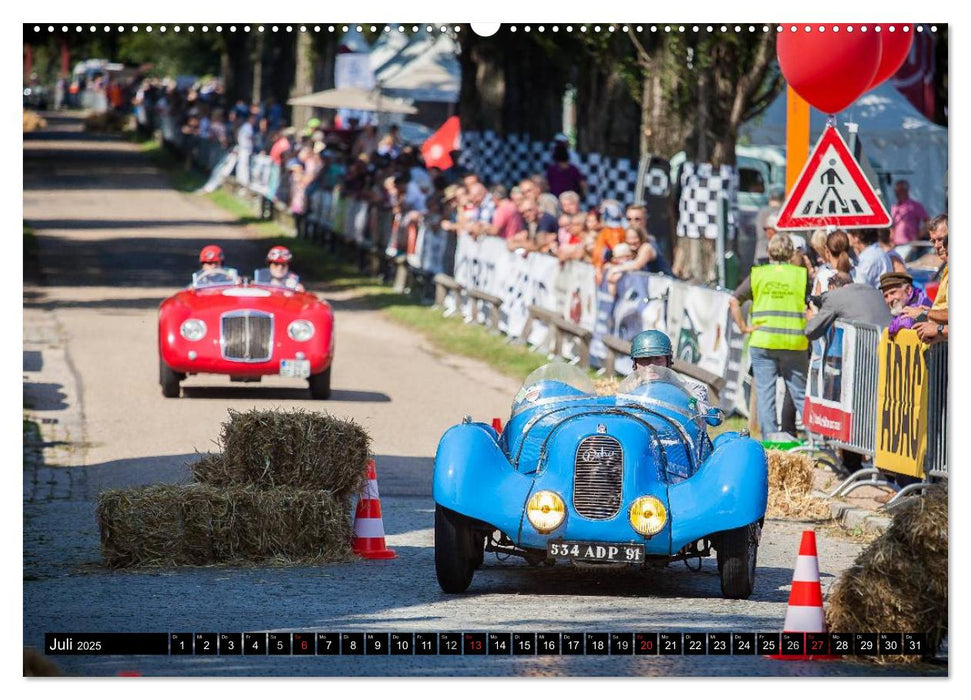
column 598, row 477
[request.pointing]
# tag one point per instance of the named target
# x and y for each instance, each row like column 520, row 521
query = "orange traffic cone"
column 368, row 526
column 805, row 612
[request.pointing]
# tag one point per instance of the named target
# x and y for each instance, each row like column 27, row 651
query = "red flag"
column 435, row 150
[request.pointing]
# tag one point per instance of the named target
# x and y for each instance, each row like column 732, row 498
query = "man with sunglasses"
column 277, row 272
column 931, row 323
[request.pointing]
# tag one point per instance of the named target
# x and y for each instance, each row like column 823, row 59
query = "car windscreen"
column 653, row 379
column 215, row 277
column 552, row 381
column 262, row 276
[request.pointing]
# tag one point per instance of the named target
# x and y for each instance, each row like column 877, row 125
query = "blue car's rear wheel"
column 737, row 551
column 458, row 550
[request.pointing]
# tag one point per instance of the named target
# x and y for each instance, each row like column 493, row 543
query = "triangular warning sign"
column 832, row 191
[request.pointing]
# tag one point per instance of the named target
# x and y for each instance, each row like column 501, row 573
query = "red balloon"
column 895, row 48
column 829, row 69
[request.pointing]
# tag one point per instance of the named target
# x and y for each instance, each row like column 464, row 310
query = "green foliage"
column 185, row 53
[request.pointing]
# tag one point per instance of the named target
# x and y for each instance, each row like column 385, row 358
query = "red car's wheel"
column 169, row 379
column 320, row 385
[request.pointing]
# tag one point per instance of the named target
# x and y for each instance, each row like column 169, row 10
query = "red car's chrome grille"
column 247, row 336
column 598, row 477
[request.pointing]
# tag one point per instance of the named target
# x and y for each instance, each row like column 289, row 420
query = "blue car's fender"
column 730, row 490
column 473, row 477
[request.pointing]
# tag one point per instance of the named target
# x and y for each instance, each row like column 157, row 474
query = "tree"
column 511, row 84
column 702, row 87
column 698, row 89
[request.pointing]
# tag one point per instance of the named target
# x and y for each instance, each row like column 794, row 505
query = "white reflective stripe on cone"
column 370, row 490
column 807, row 569
column 368, row 527
column 804, row 618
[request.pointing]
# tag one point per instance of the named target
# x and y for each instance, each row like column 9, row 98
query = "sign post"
column 832, row 190
column 797, row 136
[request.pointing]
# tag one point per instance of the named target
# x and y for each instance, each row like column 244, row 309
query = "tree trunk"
column 258, row 69
column 608, row 118
column 303, row 81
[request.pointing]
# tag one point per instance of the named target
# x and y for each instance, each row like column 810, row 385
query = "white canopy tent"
column 433, row 76
column 355, row 98
column 899, row 142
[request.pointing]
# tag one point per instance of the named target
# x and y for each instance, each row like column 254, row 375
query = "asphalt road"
column 114, row 241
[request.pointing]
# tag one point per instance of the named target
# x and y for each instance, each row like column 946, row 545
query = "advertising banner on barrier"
column 432, row 242
column 902, row 404
column 698, row 323
column 576, row 299
column 828, row 409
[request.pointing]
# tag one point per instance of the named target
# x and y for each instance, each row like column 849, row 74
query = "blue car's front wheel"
column 458, row 550
column 737, row 551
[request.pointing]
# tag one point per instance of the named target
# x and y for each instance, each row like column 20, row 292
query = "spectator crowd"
column 799, row 285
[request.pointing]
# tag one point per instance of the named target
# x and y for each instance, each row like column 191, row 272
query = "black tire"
column 458, row 550
column 169, row 379
column 737, row 552
column 320, row 385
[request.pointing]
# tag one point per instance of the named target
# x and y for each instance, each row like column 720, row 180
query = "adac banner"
column 902, row 388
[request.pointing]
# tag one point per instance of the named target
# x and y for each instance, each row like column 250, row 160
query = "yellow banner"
column 902, row 404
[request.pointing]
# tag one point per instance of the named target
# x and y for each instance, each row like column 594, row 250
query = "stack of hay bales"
column 33, row 121
column 791, row 486
column 109, row 121
column 281, row 491
column 899, row 582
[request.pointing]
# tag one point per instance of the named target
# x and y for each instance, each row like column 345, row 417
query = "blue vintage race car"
column 605, row 481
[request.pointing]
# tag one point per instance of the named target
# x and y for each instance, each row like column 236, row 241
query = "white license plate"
column 597, row 551
column 295, row 368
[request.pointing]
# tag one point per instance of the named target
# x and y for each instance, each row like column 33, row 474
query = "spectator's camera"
column 816, row 300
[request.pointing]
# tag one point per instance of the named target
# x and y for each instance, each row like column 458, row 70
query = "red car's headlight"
column 193, row 329
column 300, row 330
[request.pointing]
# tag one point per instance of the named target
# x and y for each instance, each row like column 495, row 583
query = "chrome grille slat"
column 247, row 336
column 598, row 477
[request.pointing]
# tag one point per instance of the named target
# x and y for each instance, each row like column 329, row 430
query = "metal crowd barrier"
column 863, row 429
column 935, row 463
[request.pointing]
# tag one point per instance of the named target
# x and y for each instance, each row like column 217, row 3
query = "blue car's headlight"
column 648, row 515
column 545, row 511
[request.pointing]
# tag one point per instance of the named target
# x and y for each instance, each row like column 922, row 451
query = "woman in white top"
column 835, row 254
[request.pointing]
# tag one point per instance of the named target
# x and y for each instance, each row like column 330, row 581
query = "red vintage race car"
column 224, row 325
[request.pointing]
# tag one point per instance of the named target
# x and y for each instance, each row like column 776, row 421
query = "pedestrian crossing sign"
column 832, row 191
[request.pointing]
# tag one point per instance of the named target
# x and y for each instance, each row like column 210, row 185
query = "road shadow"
column 109, row 224
column 268, row 393
column 405, row 476
column 48, row 483
column 33, row 361
column 139, row 303
column 44, row 396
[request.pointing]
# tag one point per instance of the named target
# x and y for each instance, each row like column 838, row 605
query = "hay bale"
column 790, row 487
column 197, row 524
column 33, row 121
column 899, row 582
column 606, row 386
column 297, row 448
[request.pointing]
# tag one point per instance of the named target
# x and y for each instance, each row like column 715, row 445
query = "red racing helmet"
column 211, row 254
column 279, row 254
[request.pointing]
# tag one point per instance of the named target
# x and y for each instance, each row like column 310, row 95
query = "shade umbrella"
column 354, row 98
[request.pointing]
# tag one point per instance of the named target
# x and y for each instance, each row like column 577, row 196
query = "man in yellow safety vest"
column 778, row 346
